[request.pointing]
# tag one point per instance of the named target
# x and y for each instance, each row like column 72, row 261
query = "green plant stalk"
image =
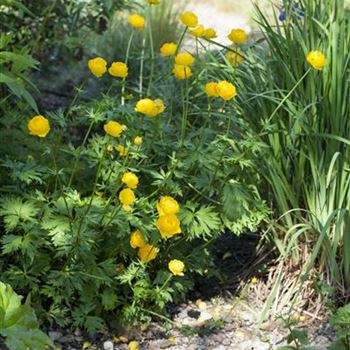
column 81, row 147
column 99, row 166
column 149, row 13
column 141, row 67
column 185, row 106
column 126, row 62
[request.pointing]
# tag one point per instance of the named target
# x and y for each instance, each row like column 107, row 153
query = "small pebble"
column 108, row 345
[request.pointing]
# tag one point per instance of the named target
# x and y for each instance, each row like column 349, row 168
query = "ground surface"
column 219, row 315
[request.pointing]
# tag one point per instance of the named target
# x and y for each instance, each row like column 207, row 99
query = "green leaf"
column 18, row 323
column 202, row 222
column 14, row 211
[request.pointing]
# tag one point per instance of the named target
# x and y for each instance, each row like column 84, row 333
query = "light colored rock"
column 108, row 345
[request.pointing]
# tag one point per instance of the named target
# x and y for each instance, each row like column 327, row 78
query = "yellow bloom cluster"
column 123, row 151
column 168, row 49
column 224, row 89
column 168, row 224
column 130, row 179
column 176, row 267
column 150, row 107
column 127, row 197
column 39, row 126
column 238, row 36
column 316, row 59
column 137, row 21
column 98, row 67
column 182, row 69
column 189, row 19
column 147, row 252
column 153, row 2
column 113, row 128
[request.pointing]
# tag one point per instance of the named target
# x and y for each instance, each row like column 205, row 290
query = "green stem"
column 152, row 50
column 126, row 62
column 287, row 96
column 75, row 165
column 93, row 191
column 141, row 66
column 178, row 45
column 185, row 99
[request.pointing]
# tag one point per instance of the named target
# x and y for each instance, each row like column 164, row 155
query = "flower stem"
column 126, row 62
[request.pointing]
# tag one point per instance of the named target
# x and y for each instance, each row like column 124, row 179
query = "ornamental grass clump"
column 296, row 117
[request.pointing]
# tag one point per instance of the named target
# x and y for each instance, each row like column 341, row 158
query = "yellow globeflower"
column 123, row 151
column 127, row 197
column 176, row 267
column 118, row 69
column 238, row 36
column 226, row 90
column 189, row 19
column 198, row 31
column 39, row 126
column 97, row 66
column 149, row 107
column 168, row 49
column 167, row 205
column 147, row 253
column 138, row 140
column 159, row 105
column 184, row 59
column 209, row 33
column 182, row 72
column 211, row 89
column 137, row 240
column 146, row 106
column 168, row 225
column 137, row 21
column 235, row 57
column 316, row 59
column 113, row 128
column 153, row 2
column 130, row 179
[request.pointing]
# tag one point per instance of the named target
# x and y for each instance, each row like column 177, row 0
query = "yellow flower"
column 226, row 90
column 127, row 197
column 184, row 59
column 182, row 72
column 254, row 280
column 149, row 107
column 235, row 57
column 97, row 66
column 153, row 2
column 137, row 240
column 209, row 33
column 123, row 151
column 159, row 105
column 138, row 140
column 130, row 179
column 238, row 36
column 316, row 59
column 168, row 225
column 147, row 253
column 137, row 21
column 113, row 128
column 198, row 31
column 211, row 89
column 110, row 148
column 168, row 205
column 118, row 69
column 176, row 267
column 189, row 19
column 39, row 126
column 168, row 49
column 134, row 345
